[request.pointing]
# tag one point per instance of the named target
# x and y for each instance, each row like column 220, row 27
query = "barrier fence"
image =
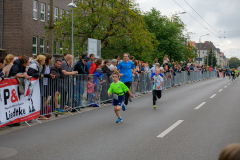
column 75, row 92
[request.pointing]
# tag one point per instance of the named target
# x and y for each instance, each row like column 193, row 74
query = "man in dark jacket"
column 1, row 64
column 82, row 69
column 81, row 66
column 1, row 76
column 58, row 86
column 18, row 69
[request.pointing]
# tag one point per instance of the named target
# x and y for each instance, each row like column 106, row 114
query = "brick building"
column 23, row 25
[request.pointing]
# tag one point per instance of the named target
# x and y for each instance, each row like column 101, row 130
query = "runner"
column 157, row 87
column 118, row 89
column 233, row 74
column 126, row 73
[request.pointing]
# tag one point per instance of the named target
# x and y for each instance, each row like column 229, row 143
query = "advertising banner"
column 15, row 107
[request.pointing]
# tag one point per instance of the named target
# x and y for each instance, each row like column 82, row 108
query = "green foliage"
column 209, row 56
column 118, row 24
column 234, row 62
column 169, row 34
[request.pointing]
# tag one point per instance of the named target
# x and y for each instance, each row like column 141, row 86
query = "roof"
column 207, row 45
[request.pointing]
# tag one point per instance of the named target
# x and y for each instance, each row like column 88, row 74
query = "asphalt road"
column 187, row 125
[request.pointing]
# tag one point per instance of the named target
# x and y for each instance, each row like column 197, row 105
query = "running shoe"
column 119, row 120
column 123, row 107
column 58, row 110
column 154, row 106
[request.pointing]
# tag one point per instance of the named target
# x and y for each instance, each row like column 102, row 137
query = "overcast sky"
column 223, row 16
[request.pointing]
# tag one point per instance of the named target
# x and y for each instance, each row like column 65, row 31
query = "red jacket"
column 93, row 68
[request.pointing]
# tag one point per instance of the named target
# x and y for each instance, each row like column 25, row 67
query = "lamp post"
column 73, row 5
column 199, row 47
column 177, row 14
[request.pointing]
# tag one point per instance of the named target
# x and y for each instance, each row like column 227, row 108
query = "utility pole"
column 50, row 38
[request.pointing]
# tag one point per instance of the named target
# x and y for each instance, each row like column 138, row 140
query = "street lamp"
column 73, row 5
column 199, row 47
column 178, row 14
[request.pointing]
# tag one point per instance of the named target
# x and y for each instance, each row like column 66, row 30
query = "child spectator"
column 157, row 87
column 118, row 88
column 90, row 90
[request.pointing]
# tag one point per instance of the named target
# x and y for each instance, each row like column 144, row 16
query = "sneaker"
column 154, row 106
column 123, row 107
column 130, row 99
column 58, row 110
column 119, row 120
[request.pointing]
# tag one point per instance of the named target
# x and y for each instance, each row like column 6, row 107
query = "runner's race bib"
column 115, row 96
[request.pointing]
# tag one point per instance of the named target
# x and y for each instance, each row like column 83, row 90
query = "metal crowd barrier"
column 72, row 92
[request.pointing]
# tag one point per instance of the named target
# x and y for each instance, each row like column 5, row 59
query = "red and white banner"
column 16, row 108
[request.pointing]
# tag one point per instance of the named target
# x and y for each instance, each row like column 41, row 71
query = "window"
column 55, row 47
column 55, row 14
column 61, row 13
column 34, row 45
column 61, row 48
column 35, row 9
column 43, row 12
column 47, row 46
column 48, row 12
column 41, row 45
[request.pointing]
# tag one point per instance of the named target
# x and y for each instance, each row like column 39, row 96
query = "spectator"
column 132, row 59
column 140, row 68
column 81, row 66
column 230, row 152
column 57, row 85
column 18, row 68
column 46, row 82
column 106, row 69
column 112, row 66
column 166, row 60
column 153, row 68
column 35, row 70
column 67, row 70
column 146, row 67
column 1, row 64
column 95, row 65
column 9, row 62
column 64, row 57
column 117, row 58
column 126, row 74
column 66, row 66
column 82, row 69
column 210, row 68
column 90, row 90
column 156, row 60
column 1, row 76
column 92, row 58
column 35, row 67
column 191, row 68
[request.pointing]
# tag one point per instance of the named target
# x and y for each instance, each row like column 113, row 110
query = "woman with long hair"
column 9, row 62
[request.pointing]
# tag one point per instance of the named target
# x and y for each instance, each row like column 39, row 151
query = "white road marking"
column 169, row 129
column 213, row 96
column 229, row 83
column 225, row 87
column 220, row 90
column 200, row 105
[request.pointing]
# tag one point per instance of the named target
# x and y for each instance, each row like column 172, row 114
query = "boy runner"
column 118, row 88
column 157, row 87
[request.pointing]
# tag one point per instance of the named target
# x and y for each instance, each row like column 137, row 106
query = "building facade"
column 203, row 48
column 22, row 25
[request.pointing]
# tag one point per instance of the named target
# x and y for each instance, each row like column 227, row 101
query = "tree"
column 234, row 62
column 169, row 34
column 118, row 24
column 209, row 57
